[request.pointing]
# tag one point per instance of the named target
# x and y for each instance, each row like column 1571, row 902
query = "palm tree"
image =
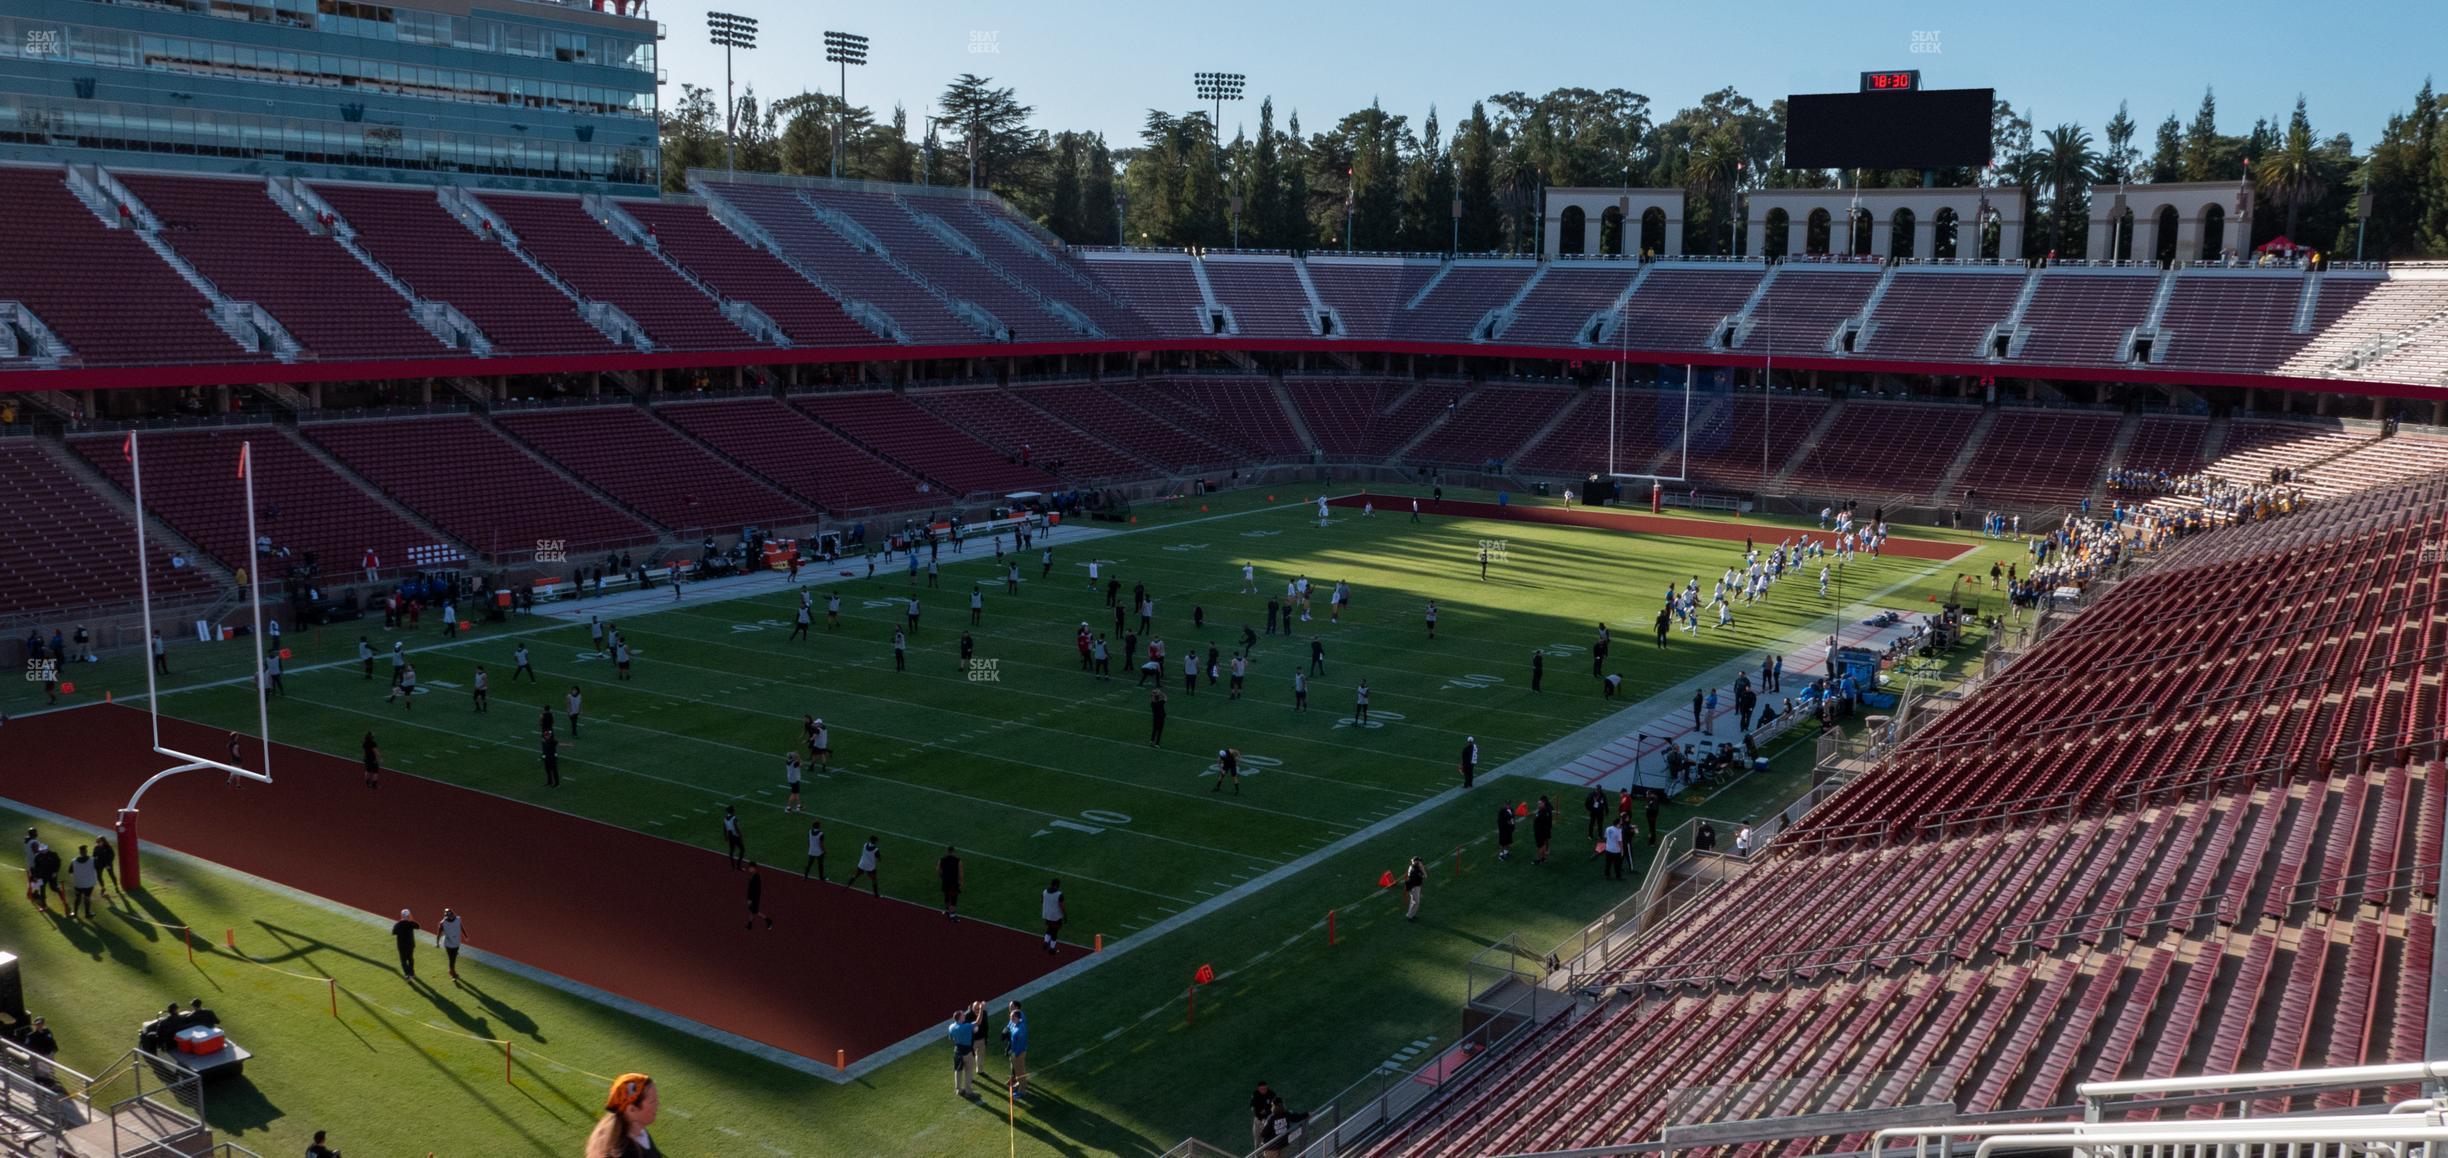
column 2068, row 160
column 2027, row 171
column 2290, row 175
column 1715, row 168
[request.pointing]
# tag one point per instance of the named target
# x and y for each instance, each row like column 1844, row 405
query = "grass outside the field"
column 926, row 757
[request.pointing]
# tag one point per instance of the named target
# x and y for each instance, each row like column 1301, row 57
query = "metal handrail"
column 1325, row 1125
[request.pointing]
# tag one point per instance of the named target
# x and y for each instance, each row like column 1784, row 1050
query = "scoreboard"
column 1892, row 123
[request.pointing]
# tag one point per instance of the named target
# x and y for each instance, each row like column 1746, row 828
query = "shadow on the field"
column 511, row 1018
column 160, row 921
column 299, row 948
column 452, row 1063
column 98, row 936
column 1059, row 1124
column 240, row 1106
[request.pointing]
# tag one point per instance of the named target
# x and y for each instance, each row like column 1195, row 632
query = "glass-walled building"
column 531, row 94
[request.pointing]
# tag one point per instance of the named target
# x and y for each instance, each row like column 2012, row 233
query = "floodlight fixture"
column 843, row 49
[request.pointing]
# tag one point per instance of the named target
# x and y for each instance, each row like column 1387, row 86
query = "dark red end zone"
column 1608, row 519
column 649, row 919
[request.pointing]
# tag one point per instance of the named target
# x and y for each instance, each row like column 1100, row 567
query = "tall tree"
column 1262, row 190
column 1099, row 225
column 1153, row 181
column 2069, row 160
column 1198, row 209
column 2293, row 175
column 2167, row 152
column 1710, row 179
column 1427, row 191
column 805, row 143
column 1474, row 155
column 991, row 126
column 1374, row 140
column 1292, row 228
column 1063, row 211
column 2118, row 160
column 691, row 132
column 2201, row 141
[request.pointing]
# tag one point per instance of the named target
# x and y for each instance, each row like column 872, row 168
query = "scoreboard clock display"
column 1905, row 80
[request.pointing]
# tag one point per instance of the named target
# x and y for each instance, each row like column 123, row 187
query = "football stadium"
column 1597, row 601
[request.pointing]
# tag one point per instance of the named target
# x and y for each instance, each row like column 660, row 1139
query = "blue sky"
column 1099, row 64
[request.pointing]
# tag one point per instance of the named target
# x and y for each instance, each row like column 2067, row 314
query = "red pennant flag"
column 284, row 653
column 243, row 448
column 67, row 689
column 1205, row 974
column 1522, row 809
column 127, row 448
column 1385, row 880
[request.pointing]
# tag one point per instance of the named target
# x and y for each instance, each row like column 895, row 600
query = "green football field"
column 1035, row 769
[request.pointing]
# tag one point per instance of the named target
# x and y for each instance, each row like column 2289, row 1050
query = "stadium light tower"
column 1219, row 87
column 728, row 31
column 844, row 49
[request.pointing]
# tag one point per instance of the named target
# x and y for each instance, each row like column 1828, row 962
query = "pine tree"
column 1063, row 209
column 1474, row 154
column 2167, row 152
column 2117, row 160
column 1427, row 191
column 1098, row 225
column 1292, row 228
column 1262, row 185
column 2201, row 141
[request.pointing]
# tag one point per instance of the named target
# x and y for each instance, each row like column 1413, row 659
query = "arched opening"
column 1900, row 230
column 1778, row 236
column 1942, row 234
column 1653, row 232
column 2163, row 243
column 2121, row 237
column 1572, row 239
column 2214, row 232
column 1857, row 234
column 1815, row 234
column 1610, row 231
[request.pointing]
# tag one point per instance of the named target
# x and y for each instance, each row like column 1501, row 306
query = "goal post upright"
column 1691, row 372
column 130, row 841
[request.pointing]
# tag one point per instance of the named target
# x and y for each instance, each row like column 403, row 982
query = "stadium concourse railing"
column 2101, row 1125
column 138, row 1105
column 1354, row 1115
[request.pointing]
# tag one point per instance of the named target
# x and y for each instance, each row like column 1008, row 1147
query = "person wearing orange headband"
column 628, row 1110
